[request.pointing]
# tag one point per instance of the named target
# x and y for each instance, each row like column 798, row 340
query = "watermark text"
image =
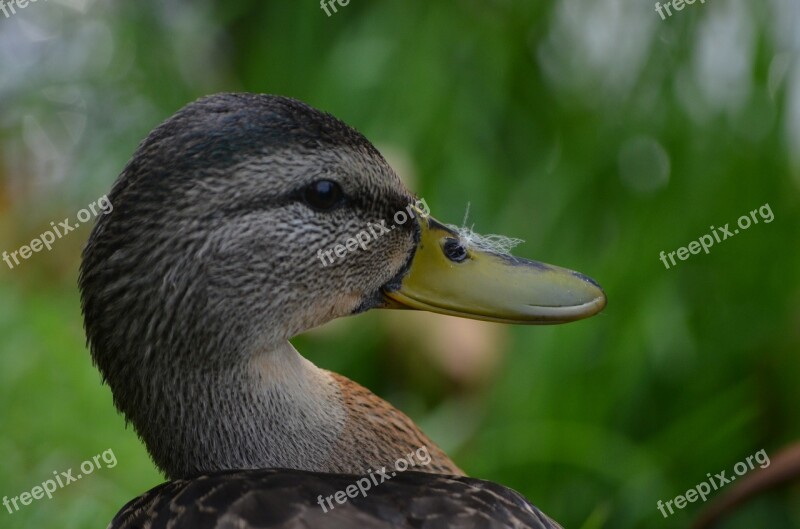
column 715, row 482
column 330, row 5
column 717, row 235
column 373, row 232
column 677, row 5
column 10, row 8
column 46, row 239
column 419, row 457
column 59, row 481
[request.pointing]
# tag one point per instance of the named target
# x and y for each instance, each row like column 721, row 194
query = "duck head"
column 222, row 244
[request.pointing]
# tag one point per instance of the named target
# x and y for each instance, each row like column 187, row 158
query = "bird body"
column 290, row 499
column 193, row 285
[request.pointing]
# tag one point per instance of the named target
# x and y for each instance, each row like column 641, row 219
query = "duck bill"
column 449, row 275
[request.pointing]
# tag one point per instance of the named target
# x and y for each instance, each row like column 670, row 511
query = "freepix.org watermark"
column 61, row 480
column 373, row 232
column 677, row 5
column 702, row 490
column 46, row 240
column 717, row 235
column 419, row 457
column 10, row 7
column 328, row 5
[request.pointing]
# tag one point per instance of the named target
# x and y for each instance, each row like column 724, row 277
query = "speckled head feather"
column 208, row 264
column 191, row 288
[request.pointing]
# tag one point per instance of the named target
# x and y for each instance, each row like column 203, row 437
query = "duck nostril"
column 454, row 250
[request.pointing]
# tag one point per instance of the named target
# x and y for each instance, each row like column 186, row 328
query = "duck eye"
column 323, row 195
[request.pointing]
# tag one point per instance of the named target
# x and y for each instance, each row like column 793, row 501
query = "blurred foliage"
column 597, row 132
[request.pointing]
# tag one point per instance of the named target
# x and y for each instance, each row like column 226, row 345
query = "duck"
column 193, row 285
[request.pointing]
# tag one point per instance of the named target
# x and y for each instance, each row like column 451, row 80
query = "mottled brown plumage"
column 373, row 426
column 261, row 499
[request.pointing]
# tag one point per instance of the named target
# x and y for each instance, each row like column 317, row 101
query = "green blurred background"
column 592, row 129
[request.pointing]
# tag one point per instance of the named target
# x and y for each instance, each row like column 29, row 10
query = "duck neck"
column 273, row 410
